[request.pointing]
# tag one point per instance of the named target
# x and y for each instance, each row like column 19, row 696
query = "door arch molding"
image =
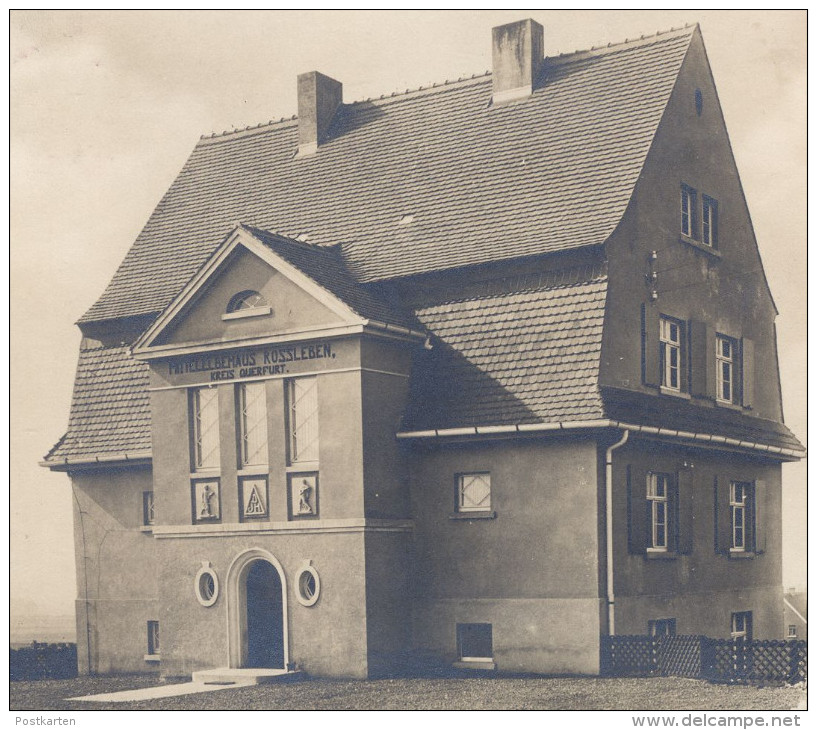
column 237, row 604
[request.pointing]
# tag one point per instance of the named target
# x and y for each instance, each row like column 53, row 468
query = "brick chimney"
column 318, row 99
column 518, row 51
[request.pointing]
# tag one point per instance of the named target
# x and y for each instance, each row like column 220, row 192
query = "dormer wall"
column 657, row 270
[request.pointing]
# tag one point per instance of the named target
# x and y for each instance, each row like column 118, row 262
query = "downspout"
column 608, row 508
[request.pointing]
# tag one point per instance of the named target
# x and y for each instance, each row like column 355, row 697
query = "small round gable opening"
column 246, row 300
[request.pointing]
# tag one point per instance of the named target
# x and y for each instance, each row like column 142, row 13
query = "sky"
column 105, row 107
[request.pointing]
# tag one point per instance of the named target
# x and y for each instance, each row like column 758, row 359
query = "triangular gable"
column 297, row 303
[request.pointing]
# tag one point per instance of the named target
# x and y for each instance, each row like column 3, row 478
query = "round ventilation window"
column 308, row 583
column 206, row 586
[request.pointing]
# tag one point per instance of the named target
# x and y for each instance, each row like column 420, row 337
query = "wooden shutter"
column 747, row 351
column 684, row 518
column 702, row 359
column 638, row 515
column 761, row 515
column 723, row 517
column 650, row 345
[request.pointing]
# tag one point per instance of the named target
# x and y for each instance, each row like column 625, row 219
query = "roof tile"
column 442, row 155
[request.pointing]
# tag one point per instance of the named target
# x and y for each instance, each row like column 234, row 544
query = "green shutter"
column 702, row 359
column 650, row 345
column 638, row 515
column 760, row 514
column 684, row 520
column 723, row 516
column 747, row 351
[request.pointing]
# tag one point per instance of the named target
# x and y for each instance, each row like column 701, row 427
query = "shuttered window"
column 658, row 495
column 659, row 509
column 725, row 361
column 740, row 512
column 689, row 209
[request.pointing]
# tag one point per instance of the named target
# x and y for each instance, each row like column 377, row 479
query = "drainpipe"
column 611, row 597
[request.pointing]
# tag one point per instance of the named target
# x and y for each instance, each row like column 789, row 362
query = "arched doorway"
column 257, row 623
column 265, row 616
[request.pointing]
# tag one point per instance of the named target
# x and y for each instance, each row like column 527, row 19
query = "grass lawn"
column 670, row 693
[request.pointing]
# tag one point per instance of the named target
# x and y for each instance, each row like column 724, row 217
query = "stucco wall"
column 724, row 286
column 292, row 308
column 327, row 639
column 532, row 571
column 117, row 587
column 700, row 589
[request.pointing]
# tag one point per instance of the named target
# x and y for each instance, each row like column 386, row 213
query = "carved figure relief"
column 207, row 500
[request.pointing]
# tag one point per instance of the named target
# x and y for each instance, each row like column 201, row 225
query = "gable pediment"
column 246, row 293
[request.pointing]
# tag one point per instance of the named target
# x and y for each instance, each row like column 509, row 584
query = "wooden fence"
column 718, row 660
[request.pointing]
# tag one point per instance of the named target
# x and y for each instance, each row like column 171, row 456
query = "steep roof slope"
column 525, row 357
column 421, row 182
column 110, row 408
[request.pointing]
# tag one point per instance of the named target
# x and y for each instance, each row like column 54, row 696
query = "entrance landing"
column 209, row 680
column 253, row 675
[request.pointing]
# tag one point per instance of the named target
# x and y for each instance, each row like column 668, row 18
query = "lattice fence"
column 631, row 656
column 723, row 660
column 734, row 660
column 680, row 656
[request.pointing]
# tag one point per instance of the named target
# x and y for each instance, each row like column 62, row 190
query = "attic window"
column 246, row 303
column 406, row 219
column 699, row 101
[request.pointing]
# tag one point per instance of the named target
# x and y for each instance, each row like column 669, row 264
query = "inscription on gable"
column 270, row 361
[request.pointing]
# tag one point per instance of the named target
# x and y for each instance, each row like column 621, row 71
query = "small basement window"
column 475, row 642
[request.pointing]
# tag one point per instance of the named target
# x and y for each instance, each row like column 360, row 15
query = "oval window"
column 206, row 585
column 308, row 584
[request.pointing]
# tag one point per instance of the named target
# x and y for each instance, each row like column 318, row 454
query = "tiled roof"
column 421, row 182
column 110, row 409
column 325, row 266
column 677, row 414
column 527, row 357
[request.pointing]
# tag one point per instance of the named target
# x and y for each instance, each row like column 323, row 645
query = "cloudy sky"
column 106, row 107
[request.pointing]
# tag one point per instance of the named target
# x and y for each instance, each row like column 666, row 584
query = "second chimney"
column 518, row 51
column 318, row 99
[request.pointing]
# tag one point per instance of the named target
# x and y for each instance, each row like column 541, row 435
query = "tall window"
column 740, row 502
column 148, row 509
column 204, row 426
column 689, row 204
column 710, row 221
column 725, row 363
column 473, row 492
column 251, row 408
column 153, row 638
column 303, row 419
column 670, row 353
column 658, row 491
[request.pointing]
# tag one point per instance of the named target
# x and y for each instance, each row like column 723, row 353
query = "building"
column 795, row 613
column 475, row 374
